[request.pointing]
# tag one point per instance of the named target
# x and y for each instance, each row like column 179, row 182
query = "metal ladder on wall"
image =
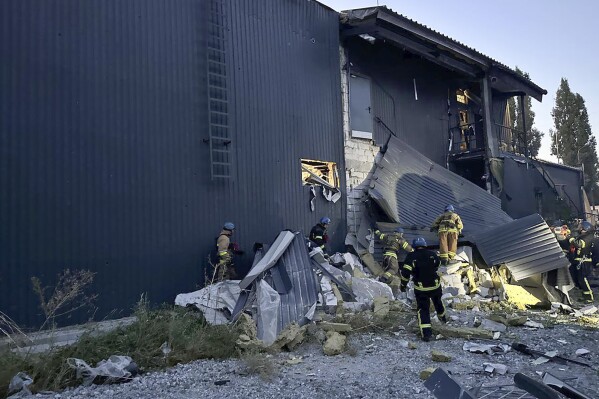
column 218, row 101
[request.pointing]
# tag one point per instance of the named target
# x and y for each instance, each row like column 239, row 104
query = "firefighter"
column 583, row 261
column 422, row 266
column 449, row 226
column 225, row 270
column 392, row 243
column 318, row 234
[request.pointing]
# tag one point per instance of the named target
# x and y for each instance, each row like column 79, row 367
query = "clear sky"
column 549, row 39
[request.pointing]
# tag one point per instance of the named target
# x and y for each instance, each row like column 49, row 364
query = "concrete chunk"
column 424, row 374
column 491, row 325
column 381, row 306
column 588, row 310
column 335, row 344
column 440, row 357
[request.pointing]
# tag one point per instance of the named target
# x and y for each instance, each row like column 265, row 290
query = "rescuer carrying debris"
column 318, row 234
column 225, row 270
column 392, row 243
column 422, row 266
column 582, row 267
column 449, row 226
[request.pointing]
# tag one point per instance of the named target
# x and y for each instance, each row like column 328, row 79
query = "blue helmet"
column 229, row 226
column 399, row 230
column 586, row 226
column 418, row 242
column 325, row 220
column 449, row 208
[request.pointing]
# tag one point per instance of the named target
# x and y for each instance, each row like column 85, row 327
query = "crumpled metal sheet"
column 413, row 190
column 526, row 246
column 270, row 258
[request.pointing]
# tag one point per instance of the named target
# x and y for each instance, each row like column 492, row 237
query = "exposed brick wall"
column 359, row 160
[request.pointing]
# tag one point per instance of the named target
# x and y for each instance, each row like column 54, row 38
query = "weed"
column 189, row 337
column 256, row 363
column 67, row 296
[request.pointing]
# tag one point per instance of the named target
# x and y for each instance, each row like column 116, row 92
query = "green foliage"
column 188, row 335
column 533, row 135
column 572, row 137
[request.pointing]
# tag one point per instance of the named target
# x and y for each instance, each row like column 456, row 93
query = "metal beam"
column 505, row 81
column 428, row 53
column 430, row 35
column 492, row 144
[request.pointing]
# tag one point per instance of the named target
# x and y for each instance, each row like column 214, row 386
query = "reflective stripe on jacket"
column 449, row 222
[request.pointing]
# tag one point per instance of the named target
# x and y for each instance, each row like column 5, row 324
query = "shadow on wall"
column 421, row 199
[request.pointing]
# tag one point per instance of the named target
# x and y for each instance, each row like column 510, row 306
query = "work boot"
column 427, row 338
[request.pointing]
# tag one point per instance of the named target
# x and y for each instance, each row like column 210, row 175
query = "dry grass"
column 257, row 363
column 189, row 337
column 67, row 296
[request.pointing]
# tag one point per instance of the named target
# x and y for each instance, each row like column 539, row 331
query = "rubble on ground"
column 295, row 294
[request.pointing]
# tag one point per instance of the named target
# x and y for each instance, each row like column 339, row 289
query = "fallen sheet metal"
column 413, row 190
column 285, row 276
column 443, row 386
column 526, row 246
column 268, row 304
column 270, row 258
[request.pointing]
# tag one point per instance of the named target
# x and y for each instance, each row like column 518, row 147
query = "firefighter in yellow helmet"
column 449, row 226
column 422, row 266
column 392, row 244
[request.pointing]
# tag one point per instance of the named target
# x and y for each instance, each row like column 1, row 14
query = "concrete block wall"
column 360, row 156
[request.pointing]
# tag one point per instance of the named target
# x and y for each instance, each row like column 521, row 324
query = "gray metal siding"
column 103, row 113
column 422, row 122
column 412, row 190
column 526, row 246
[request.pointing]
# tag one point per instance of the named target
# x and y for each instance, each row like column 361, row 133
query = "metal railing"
column 464, row 138
column 510, row 140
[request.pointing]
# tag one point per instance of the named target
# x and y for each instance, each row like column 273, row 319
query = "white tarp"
column 268, row 312
column 216, row 301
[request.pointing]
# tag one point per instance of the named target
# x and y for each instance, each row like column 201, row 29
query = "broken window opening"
column 461, row 96
column 320, row 173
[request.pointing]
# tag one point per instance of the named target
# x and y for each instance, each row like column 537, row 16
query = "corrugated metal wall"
column 103, row 113
column 417, row 115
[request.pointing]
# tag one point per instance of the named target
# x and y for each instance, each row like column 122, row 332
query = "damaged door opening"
column 320, row 173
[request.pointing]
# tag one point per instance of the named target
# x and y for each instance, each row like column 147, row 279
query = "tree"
column 533, row 135
column 572, row 137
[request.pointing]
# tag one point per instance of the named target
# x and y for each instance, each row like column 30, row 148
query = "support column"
column 492, row 150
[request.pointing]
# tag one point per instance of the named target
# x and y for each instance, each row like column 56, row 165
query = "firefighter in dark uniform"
column 225, row 270
column 583, row 261
column 392, row 243
column 318, row 234
column 422, row 266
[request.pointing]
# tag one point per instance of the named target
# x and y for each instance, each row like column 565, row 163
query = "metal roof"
column 526, row 246
column 441, row 41
column 412, row 190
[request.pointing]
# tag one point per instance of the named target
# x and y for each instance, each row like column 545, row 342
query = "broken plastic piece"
column 115, row 369
column 19, row 385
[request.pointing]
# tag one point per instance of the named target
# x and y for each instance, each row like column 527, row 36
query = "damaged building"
column 132, row 132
